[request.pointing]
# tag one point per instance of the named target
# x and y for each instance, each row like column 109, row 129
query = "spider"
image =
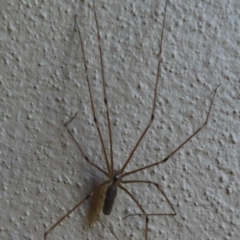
column 115, row 178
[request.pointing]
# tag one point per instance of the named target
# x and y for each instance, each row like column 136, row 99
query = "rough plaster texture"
column 42, row 85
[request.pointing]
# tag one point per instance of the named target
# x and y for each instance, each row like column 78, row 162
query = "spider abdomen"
column 110, row 196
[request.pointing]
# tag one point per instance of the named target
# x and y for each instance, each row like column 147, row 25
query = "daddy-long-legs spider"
column 115, row 178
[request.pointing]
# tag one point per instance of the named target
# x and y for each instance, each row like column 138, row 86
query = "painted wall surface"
column 42, row 85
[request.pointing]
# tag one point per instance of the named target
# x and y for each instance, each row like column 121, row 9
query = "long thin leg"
column 181, row 145
column 91, row 99
column 155, row 94
column 103, row 223
column 141, row 208
column 161, row 191
column 75, row 207
column 146, row 215
column 104, row 89
column 80, row 148
column 133, row 198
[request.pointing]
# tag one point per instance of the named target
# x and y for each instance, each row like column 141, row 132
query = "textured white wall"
column 42, row 85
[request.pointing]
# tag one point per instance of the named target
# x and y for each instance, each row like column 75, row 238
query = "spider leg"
column 74, row 208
